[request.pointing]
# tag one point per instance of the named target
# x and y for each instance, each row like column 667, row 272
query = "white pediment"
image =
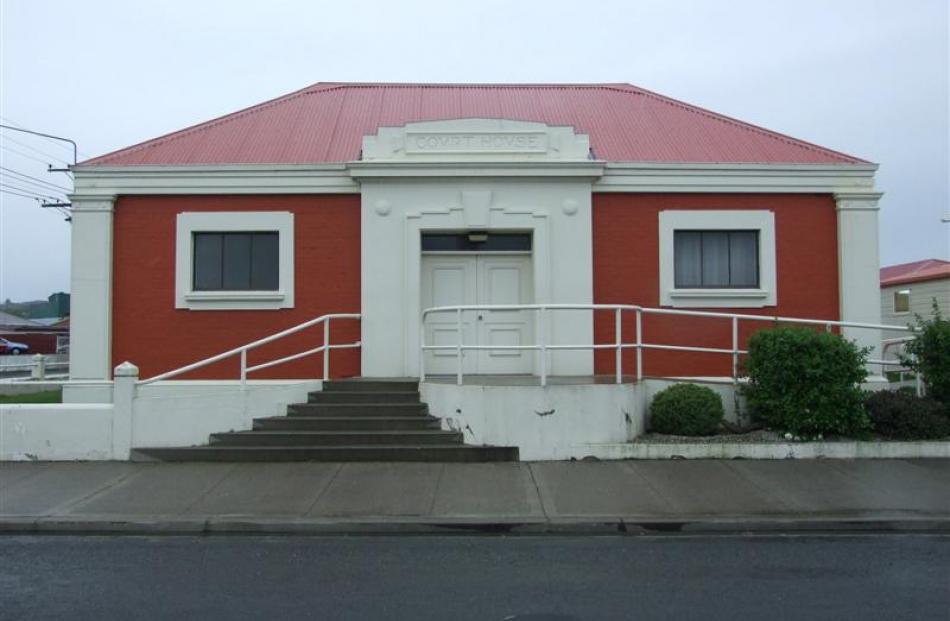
column 476, row 140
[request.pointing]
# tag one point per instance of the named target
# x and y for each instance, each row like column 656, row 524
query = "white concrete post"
column 38, row 372
column 91, row 287
column 859, row 270
column 123, row 396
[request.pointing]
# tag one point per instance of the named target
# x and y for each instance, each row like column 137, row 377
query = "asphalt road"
column 476, row 577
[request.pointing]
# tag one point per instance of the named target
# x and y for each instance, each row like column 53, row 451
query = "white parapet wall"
column 52, row 432
column 128, row 415
column 886, row 449
column 551, row 423
column 185, row 413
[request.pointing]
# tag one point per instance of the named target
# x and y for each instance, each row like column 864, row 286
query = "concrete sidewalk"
column 629, row 496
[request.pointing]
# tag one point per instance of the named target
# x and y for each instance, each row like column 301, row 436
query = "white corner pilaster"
column 859, row 268
column 90, row 340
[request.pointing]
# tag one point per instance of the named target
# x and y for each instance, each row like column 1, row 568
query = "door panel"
column 448, row 281
column 505, row 280
column 478, row 279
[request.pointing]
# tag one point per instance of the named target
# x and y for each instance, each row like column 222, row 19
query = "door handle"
column 480, row 317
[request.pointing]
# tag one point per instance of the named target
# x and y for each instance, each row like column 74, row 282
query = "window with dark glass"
column 236, row 261
column 716, row 259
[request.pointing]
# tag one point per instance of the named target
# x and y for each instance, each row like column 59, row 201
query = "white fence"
column 38, row 365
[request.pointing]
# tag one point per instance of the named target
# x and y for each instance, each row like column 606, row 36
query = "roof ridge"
column 917, row 262
column 477, row 84
column 744, row 124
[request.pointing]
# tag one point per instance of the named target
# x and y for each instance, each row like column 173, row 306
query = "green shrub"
column 686, row 410
column 806, row 382
column 903, row 415
column 929, row 354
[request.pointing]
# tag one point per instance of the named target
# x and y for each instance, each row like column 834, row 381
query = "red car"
column 12, row 347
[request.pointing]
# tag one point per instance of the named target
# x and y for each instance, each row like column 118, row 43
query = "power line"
column 35, row 150
column 31, row 184
column 49, row 140
column 36, row 180
column 22, row 154
column 40, row 200
column 45, row 135
column 2, row 191
column 55, row 158
column 35, row 193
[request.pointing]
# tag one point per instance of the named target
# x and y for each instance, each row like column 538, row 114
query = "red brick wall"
column 626, row 270
column 150, row 332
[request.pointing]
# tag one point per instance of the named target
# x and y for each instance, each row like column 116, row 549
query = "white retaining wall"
column 174, row 413
column 49, row 432
column 186, row 413
column 888, row 449
column 550, row 423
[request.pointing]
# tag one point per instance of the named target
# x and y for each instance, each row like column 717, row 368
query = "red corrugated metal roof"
column 327, row 121
column 928, row 269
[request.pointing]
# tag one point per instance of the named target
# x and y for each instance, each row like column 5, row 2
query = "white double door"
column 464, row 279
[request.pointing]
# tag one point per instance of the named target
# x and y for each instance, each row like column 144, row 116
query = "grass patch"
column 46, row 396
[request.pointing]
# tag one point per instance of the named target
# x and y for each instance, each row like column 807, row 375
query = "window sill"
column 720, row 298
column 235, row 300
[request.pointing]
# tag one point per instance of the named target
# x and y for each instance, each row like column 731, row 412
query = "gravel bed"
column 759, row 435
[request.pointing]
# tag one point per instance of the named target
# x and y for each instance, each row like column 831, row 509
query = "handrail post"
column 542, row 346
column 639, row 345
column 243, row 368
column 458, row 345
column 918, row 385
column 735, row 350
column 618, row 354
column 326, row 349
column 422, row 348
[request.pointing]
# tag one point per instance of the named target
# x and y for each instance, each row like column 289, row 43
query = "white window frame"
column 191, row 222
column 896, row 293
column 763, row 221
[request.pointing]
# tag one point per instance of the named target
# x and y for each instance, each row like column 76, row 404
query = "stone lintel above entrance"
column 478, row 140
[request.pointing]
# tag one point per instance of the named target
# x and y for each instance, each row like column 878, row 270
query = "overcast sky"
column 866, row 77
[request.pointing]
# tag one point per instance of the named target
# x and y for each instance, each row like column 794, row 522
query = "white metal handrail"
column 241, row 351
column 541, row 346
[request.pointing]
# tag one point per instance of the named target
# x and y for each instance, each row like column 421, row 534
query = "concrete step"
column 336, row 438
column 347, row 423
column 357, row 409
column 371, row 385
column 350, row 396
column 428, row 453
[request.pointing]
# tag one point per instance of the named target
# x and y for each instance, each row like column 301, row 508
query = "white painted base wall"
column 174, row 413
column 53, row 432
column 932, row 449
column 185, row 413
column 551, row 423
